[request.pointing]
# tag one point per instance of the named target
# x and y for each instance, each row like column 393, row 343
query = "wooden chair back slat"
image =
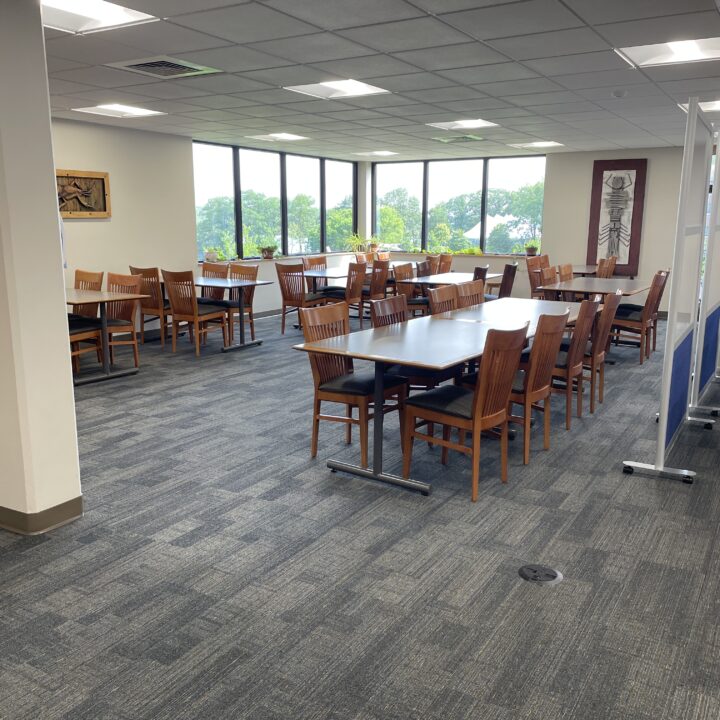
column 480, row 272
column 123, row 309
column 603, row 326
column 652, row 302
column 581, row 333
column 180, row 288
column 544, row 352
column 404, row 272
column 424, row 268
column 544, row 261
column 382, row 256
column 389, row 311
column 364, row 257
column 612, row 261
column 239, row 271
column 150, row 286
column 320, row 323
column 291, row 279
column 87, row 280
column 500, row 361
column 214, row 270
column 565, row 272
column 443, row 299
column 434, row 261
column 378, row 279
column 445, row 265
column 508, row 280
column 533, row 264
column 470, row 293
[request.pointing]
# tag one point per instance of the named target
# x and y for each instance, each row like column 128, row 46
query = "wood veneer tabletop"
column 81, row 297
column 451, row 278
column 577, row 270
column 427, row 342
column 602, row 286
column 227, row 283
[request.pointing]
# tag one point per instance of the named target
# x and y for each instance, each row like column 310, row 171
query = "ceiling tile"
column 546, row 98
column 164, row 38
column 520, row 18
column 518, row 87
column 291, row 75
column 315, row 48
column 361, row 68
column 663, row 29
column 477, row 105
column 104, row 77
column 413, row 81
column 91, row 49
column 346, row 13
column 684, row 71
column 451, row 56
column 218, row 102
column 633, row 91
column 587, row 62
column 610, row 11
column 245, row 23
column 56, row 64
column 438, row 6
column 560, row 42
column 66, row 87
column 222, row 83
column 169, row 91
column 233, row 59
column 406, row 35
column 442, row 95
column 600, row 79
column 272, row 96
column 580, row 106
column 489, row 73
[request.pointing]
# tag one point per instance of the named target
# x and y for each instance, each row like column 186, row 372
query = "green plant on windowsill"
column 268, row 252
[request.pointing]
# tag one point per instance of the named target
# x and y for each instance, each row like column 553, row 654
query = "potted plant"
column 211, row 255
column 531, row 248
column 268, row 252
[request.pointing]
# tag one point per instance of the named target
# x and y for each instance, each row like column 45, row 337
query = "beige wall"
column 568, row 184
column 151, row 193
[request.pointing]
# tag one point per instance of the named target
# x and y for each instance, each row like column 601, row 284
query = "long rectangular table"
column 431, row 342
column 75, row 297
column 598, row 286
column 450, row 278
column 228, row 284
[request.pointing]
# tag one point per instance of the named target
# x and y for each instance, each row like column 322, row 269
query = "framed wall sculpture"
column 616, row 213
column 83, row 194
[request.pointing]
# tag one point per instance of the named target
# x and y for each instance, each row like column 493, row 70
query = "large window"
column 214, row 200
column 338, row 205
column 303, row 204
column 514, row 204
column 260, row 185
column 454, row 205
column 398, row 205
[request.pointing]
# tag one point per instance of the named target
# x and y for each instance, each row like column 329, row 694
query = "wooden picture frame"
column 616, row 213
column 83, row 193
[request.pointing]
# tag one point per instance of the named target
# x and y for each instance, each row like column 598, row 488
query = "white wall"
column 151, row 194
column 568, row 185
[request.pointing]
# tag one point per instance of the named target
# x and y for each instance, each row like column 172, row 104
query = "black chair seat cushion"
column 489, row 297
column 560, row 362
column 336, row 294
column 216, row 303
column 117, row 322
column 629, row 312
column 78, row 323
column 331, row 288
column 360, row 383
column 208, row 309
column 448, row 399
column 419, row 301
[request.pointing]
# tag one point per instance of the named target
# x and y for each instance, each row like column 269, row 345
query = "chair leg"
column 568, row 402
column 446, row 437
column 504, row 452
column 173, row 332
column 546, row 420
column 282, row 322
column 163, row 328
column 408, row 441
column 654, row 335
column 226, row 333
column 136, row 355
column 475, row 460
column 231, row 324
column 642, row 346
column 196, row 325
column 579, row 393
column 142, row 329
column 527, row 417
column 315, row 427
column 361, row 313
column 364, row 423
column 348, row 426
column 252, row 325
column 431, row 432
column 401, row 396
column 648, row 334
column 593, row 373
column 601, row 382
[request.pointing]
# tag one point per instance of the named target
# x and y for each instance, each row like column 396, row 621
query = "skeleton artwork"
column 72, row 191
column 616, row 215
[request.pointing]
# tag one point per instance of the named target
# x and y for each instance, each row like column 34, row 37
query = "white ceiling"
column 540, row 69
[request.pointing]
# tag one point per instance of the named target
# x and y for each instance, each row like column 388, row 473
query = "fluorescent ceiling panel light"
column 336, row 89
column 376, row 153
column 275, row 137
column 537, row 144
column 682, row 51
column 84, row 16
column 463, row 124
column 119, row 111
column 708, row 107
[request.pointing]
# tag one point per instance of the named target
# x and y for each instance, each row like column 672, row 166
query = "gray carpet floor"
column 219, row 572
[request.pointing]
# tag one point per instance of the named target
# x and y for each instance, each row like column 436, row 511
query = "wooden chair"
column 335, row 381
column 213, row 296
column 414, row 302
column 569, row 365
column 351, row 294
column 445, row 265
column 442, row 299
column 180, row 287
column 534, row 387
column 548, row 276
column 84, row 329
column 544, row 261
column 480, row 272
column 633, row 320
column 382, row 255
column 506, row 283
column 533, row 268
column 389, row 311
column 434, row 261
column 87, row 280
column 612, row 261
column 122, row 315
column 424, row 269
column 291, row 280
column 484, row 407
column 315, row 263
column 366, row 258
column 154, row 307
column 239, row 271
column 602, row 268
column 470, row 293
column 594, row 360
column 377, row 288
column 565, row 274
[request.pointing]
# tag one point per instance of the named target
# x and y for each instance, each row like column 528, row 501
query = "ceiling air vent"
column 457, row 138
column 164, row 67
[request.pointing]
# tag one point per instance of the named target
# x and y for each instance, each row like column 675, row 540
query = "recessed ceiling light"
column 377, row 153
column 335, row 89
column 708, row 107
column 463, row 124
column 275, row 137
column 83, row 16
column 682, row 51
column 119, row 111
column 537, row 144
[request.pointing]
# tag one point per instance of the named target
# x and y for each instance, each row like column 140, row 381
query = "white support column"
column 364, row 199
column 40, row 478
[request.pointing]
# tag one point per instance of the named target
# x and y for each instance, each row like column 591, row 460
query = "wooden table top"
column 82, row 297
column 427, row 342
column 328, row 273
column 577, row 270
column 451, row 278
column 507, row 313
column 227, row 283
column 602, row 286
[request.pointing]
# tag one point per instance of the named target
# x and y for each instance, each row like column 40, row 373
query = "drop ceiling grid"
column 431, row 96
